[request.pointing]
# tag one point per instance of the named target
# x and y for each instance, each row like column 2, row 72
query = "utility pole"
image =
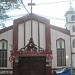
column 31, row 4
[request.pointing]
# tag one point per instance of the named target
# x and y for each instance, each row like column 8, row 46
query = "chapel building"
column 34, row 34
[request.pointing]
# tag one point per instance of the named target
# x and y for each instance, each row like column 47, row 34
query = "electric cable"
column 50, row 3
column 47, row 3
column 24, row 6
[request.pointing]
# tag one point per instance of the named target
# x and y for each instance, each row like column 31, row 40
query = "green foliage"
column 6, row 5
column 13, row 1
column 2, row 25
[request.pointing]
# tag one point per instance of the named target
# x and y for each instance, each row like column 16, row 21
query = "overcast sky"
column 52, row 9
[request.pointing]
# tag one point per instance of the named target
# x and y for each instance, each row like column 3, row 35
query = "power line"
column 52, row 17
column 47, row 3
column 24, row 6
column 50, row 3
column 56, row 18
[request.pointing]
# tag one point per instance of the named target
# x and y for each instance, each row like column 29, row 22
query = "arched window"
column 74, row 43
column 61, row 57
column 73, row 18
column 3, row 53
column 73, row 28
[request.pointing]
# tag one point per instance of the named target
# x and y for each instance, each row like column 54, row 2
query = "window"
column 61, row 57
column 74, row 43
column 73, row 18
column 73, row 28
column 3, row 53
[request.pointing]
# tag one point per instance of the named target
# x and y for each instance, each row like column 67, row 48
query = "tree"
column 6, row 5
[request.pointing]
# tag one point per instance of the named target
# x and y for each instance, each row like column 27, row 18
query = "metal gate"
column 32, row 65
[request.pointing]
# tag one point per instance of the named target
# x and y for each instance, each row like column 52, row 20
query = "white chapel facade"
column 49, row 37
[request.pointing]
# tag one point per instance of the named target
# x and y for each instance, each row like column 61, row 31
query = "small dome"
column 71, row 8
column 70, row 11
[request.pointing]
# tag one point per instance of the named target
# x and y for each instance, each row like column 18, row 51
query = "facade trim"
column 60, row 29
column 6, row 29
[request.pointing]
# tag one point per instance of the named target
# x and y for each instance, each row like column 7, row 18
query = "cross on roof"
column 31, row 4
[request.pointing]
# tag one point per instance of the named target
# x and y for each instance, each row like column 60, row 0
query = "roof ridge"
column 6, row 29
column 63, row 30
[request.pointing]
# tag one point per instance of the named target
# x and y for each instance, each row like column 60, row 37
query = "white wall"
column 73, row 60
column 35, row 31
column 42, row 35
column 73, row 51
column 54, row 36
column 27, row 31
column 20, row 36
column 37, row 35
column 8, row 35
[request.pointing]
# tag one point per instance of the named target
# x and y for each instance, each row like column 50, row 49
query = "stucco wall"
column 8, row 35
column 21, row 36
column 54, row 36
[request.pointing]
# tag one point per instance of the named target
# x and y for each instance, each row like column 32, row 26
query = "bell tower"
column 70, row 18
column 70, row 25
